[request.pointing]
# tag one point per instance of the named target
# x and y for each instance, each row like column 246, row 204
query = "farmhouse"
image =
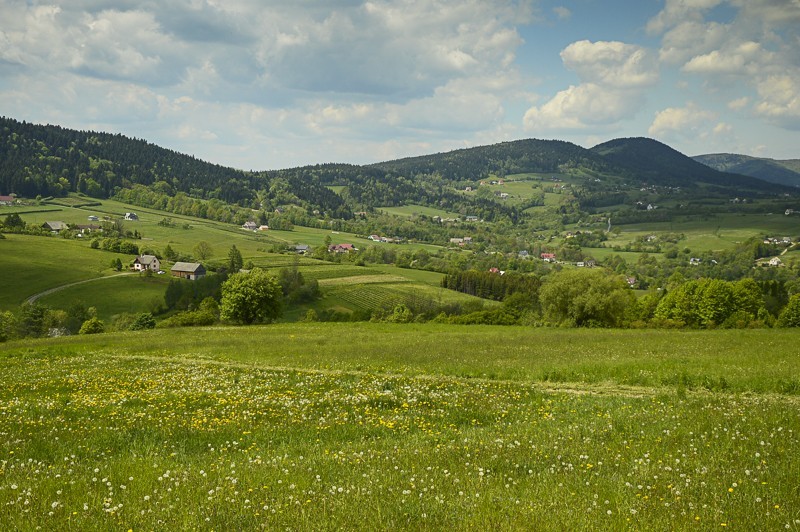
column 188, row 270
column 775, row 261
column 263, row 228
column 87, row 228
column 131, row 216
column 55, row 227
column 548, row 257
column 146, row 262
column 250, row 226
column 93, row 218
column 6, row 200
column 302, row 249
column 341, row 248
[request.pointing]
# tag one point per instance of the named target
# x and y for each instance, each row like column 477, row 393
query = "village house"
column 6, row 200
column 471, row 218
column 302, row 249
column 84, row 229
column 263, row 228
column 341, row 248
column 55, row 227
column 93, row 218
column 146, row 262
column 775, row 261
column 374, row 238
column 188, row 270
column 694, row 261
column 131, row 216
column 548, row 257
column 250, row 226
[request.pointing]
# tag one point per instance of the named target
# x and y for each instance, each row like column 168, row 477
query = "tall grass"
column 201, row 431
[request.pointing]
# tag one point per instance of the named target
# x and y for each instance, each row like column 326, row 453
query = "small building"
column 341, row 248
column 55, row 227
column 548, row 257
column 93, row 218
column 302, row 249
column 263, row 228
column 775, row 261
column 6, row 200
column 188, row 270
column 694, row 261
column 146, row 262
column 250, row 226
column 85, row 229
column 131, row 216
column 374, row 238
column 523, row 254
column 471, row 218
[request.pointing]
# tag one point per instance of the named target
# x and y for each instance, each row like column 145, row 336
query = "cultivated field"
column 374, row 426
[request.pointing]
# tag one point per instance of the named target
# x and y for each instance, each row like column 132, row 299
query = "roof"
column 145, row 259
column 190, row 267
column 56, row 226
column 6, row 198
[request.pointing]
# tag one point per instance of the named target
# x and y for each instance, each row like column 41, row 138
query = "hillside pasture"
column 419, row 427
column 113, row 295
column 33, row 264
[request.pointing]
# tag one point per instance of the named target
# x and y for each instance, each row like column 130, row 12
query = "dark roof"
column 191, row 267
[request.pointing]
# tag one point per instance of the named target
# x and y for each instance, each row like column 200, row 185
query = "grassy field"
column 113, row 295
column 413, row 210
column 32, row 264
column 424, row 427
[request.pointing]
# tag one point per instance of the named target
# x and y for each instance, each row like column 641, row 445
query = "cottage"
column 6, row 200
column 131, row 216
column 263, row 228
column 302, row 249
column 471, row 218
column 55, row 227
column 694, row 261
column 93, row 218
column 341, row 248
column 146, row 262
column 188, row 270
column 548, row 257
column 523, row 254
column 374, row 238
column 84, row 229
column 250, row 226
column 775, row 261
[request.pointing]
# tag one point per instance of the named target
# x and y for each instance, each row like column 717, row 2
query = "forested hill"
column 782, row 172
column 647, row 160
column 514, row 157
column 45, row 160
column 51, row 160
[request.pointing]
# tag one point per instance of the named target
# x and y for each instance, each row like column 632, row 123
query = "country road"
column 34, row 297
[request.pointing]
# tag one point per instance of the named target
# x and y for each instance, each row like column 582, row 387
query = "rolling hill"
column 774, row 171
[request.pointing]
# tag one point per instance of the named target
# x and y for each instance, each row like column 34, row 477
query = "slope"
column 766, row 169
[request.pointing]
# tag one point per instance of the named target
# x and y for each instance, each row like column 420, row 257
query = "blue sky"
column 265, row 84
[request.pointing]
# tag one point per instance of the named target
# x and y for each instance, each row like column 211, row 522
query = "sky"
column 265, row 84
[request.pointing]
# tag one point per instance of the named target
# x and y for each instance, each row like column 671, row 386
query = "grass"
column 381, row 427
column 410, row 211
column 32, row 264
column 113, row 295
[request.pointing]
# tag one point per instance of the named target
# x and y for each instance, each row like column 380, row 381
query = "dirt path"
column 34, row 297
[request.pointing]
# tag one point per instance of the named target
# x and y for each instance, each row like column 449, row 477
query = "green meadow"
column 382, row 427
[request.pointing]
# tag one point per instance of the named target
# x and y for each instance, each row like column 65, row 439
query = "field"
column 424, row 427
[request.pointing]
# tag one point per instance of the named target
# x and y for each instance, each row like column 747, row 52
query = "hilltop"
column 775, row 171
column 46, row 160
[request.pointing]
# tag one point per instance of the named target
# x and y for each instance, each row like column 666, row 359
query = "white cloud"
column 739, row 103
column 780, row 100
column 612, row 64
column 676, row 11
column 743, row 59
column 615, row 77
column 681, row 121
column 562, row 13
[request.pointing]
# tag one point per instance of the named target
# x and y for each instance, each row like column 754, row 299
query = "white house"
column 146, row 262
